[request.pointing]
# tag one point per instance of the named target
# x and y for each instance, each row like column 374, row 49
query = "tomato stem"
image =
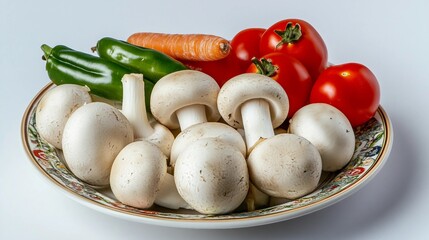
column 290, row 34
column 264, row 66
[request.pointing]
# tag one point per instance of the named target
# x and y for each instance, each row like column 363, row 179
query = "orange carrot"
column 196, row 47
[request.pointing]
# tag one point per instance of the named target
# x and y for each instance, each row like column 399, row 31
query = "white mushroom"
column 285, row 166
column 55, row 108
column 212, row 176
column 206, row 130
column 185, row 98
column 280, row 130
column 134, row 109
column 329, row 130
column 137, row 174
column 274, row 201
column 93, row 137
column 168, row 196
column 255, row 199
column 254, row 102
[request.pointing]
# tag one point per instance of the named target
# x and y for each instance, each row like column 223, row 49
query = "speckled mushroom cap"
column 212, row 176
column 285, row 166
column 248, row 86
column 218, row 130
column 180, row 89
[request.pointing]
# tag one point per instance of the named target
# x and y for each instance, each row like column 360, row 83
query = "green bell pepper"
column 67, row 66
column 151, row 63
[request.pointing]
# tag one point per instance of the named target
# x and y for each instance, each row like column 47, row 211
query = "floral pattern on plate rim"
column 370, row 141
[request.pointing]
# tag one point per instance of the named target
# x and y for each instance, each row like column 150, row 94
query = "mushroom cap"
column 137, row 174
column 286, row 166
column 93, row 136
column 329, row 130
column 206, row 130
column 212, row 176
column 180, row 89
column 247, row 86
column 55, row 108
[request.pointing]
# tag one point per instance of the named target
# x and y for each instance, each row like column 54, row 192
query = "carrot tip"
column 225, row 47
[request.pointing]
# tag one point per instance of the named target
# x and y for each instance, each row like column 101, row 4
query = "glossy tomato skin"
column 292, row 76
column 350, row 87
column 245, row 46
column 309, row 48
column 221, row 70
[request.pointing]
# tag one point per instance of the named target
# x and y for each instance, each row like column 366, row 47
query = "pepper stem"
column 290, row 34
column 46, row 51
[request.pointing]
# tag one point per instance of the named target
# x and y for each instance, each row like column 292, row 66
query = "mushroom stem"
column 133, row 105
column 191, row 115
column 256, row 121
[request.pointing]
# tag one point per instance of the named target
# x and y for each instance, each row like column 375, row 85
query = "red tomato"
column 350, row 87
column 221, row 70
column 290, row 74
column 298, row 39
column 245, row 46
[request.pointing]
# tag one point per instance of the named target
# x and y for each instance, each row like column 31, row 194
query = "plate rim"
column 208, row 223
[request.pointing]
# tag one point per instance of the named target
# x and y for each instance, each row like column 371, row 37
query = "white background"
column 390, row 37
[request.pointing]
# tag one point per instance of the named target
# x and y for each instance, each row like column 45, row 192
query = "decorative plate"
column 373, row 144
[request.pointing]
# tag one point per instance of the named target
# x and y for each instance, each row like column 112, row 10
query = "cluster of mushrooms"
column 225, row 153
